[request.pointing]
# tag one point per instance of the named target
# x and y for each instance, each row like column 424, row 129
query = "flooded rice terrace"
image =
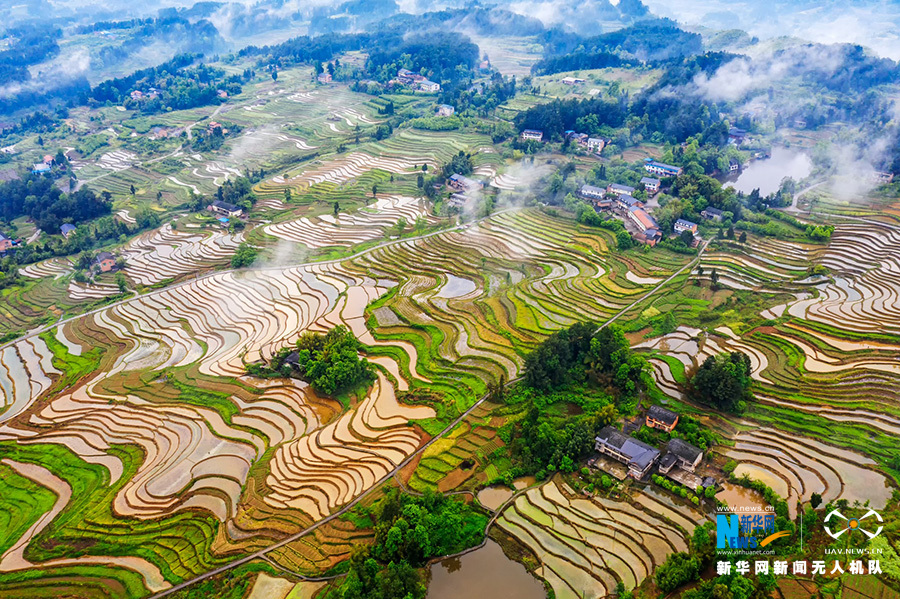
column 767, row 175
column 485, row 572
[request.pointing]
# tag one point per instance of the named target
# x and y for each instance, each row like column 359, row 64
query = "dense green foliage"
column 41, row 200
column 578, row 366
column 409, row 531
column 179, row 86
column 678, row 569
column 723, row 381
column 245, row 255
column 329, row 363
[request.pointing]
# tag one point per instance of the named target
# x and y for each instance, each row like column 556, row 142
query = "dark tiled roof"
column 638, row 453
column 684, row 450
column 660, row 414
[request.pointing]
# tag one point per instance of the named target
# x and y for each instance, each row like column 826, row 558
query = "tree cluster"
column 330, row 363
column 408, row 532
column 38, row 198
column 723, row 381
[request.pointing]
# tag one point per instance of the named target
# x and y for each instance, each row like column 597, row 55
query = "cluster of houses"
column 679, row 462
column 464, row 189
column 593, row 144
column 620, row 198
column 151, row 94
column 882, row 177
column 416, row 81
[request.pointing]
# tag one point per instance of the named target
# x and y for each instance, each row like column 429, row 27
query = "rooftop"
column 104, row 256
column 645, row 219
column 684, row 223
column 638, row 453
column 684, row 450
column 225, row 205
column 660, row 414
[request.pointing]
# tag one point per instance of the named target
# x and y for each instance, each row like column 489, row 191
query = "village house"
column 881, row 177
column 464, row 184
column 680, row 454
column 222, row 94
column 596, row 144
column 407, row 77
column 661, row 418
column 619, row 190
column 733, row 166
column 324, row 77
column 137, row 95
column 67, row 230
column 445, row 110
column 579, row 138
column 650, row 184
column 685, row 225
column 213, row 125
column 627, row 202
column 644, row 221
column 105, row 261
column 710, row 213
column 592, row 193
column 458, row 200
column 662, row 170
column 637, row 455
column 736, row 136
column 40, row 168
column 572, row 80
column 649, row 237
column 5, row 242
column 225, row 209
column 429, row 86
column 533, row 134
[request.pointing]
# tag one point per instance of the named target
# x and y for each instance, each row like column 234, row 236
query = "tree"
column 133, row 190
column 244, row 256
column 714, row 279
column 287, row 195
column 158, row 196
column 336, row 208
column 374, row 190
column 815, row 500
column 724, row 382
column 420, row 181
column 743, row 237
column 687, row 238
column 122, row 282
column 623, row 240
column 400, row 227
column 678, row 569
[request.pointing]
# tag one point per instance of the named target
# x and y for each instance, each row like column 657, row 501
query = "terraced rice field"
column 349, row 229
column 466, row 304
column 825, row 363
column 587, row 546
column 167, row 253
